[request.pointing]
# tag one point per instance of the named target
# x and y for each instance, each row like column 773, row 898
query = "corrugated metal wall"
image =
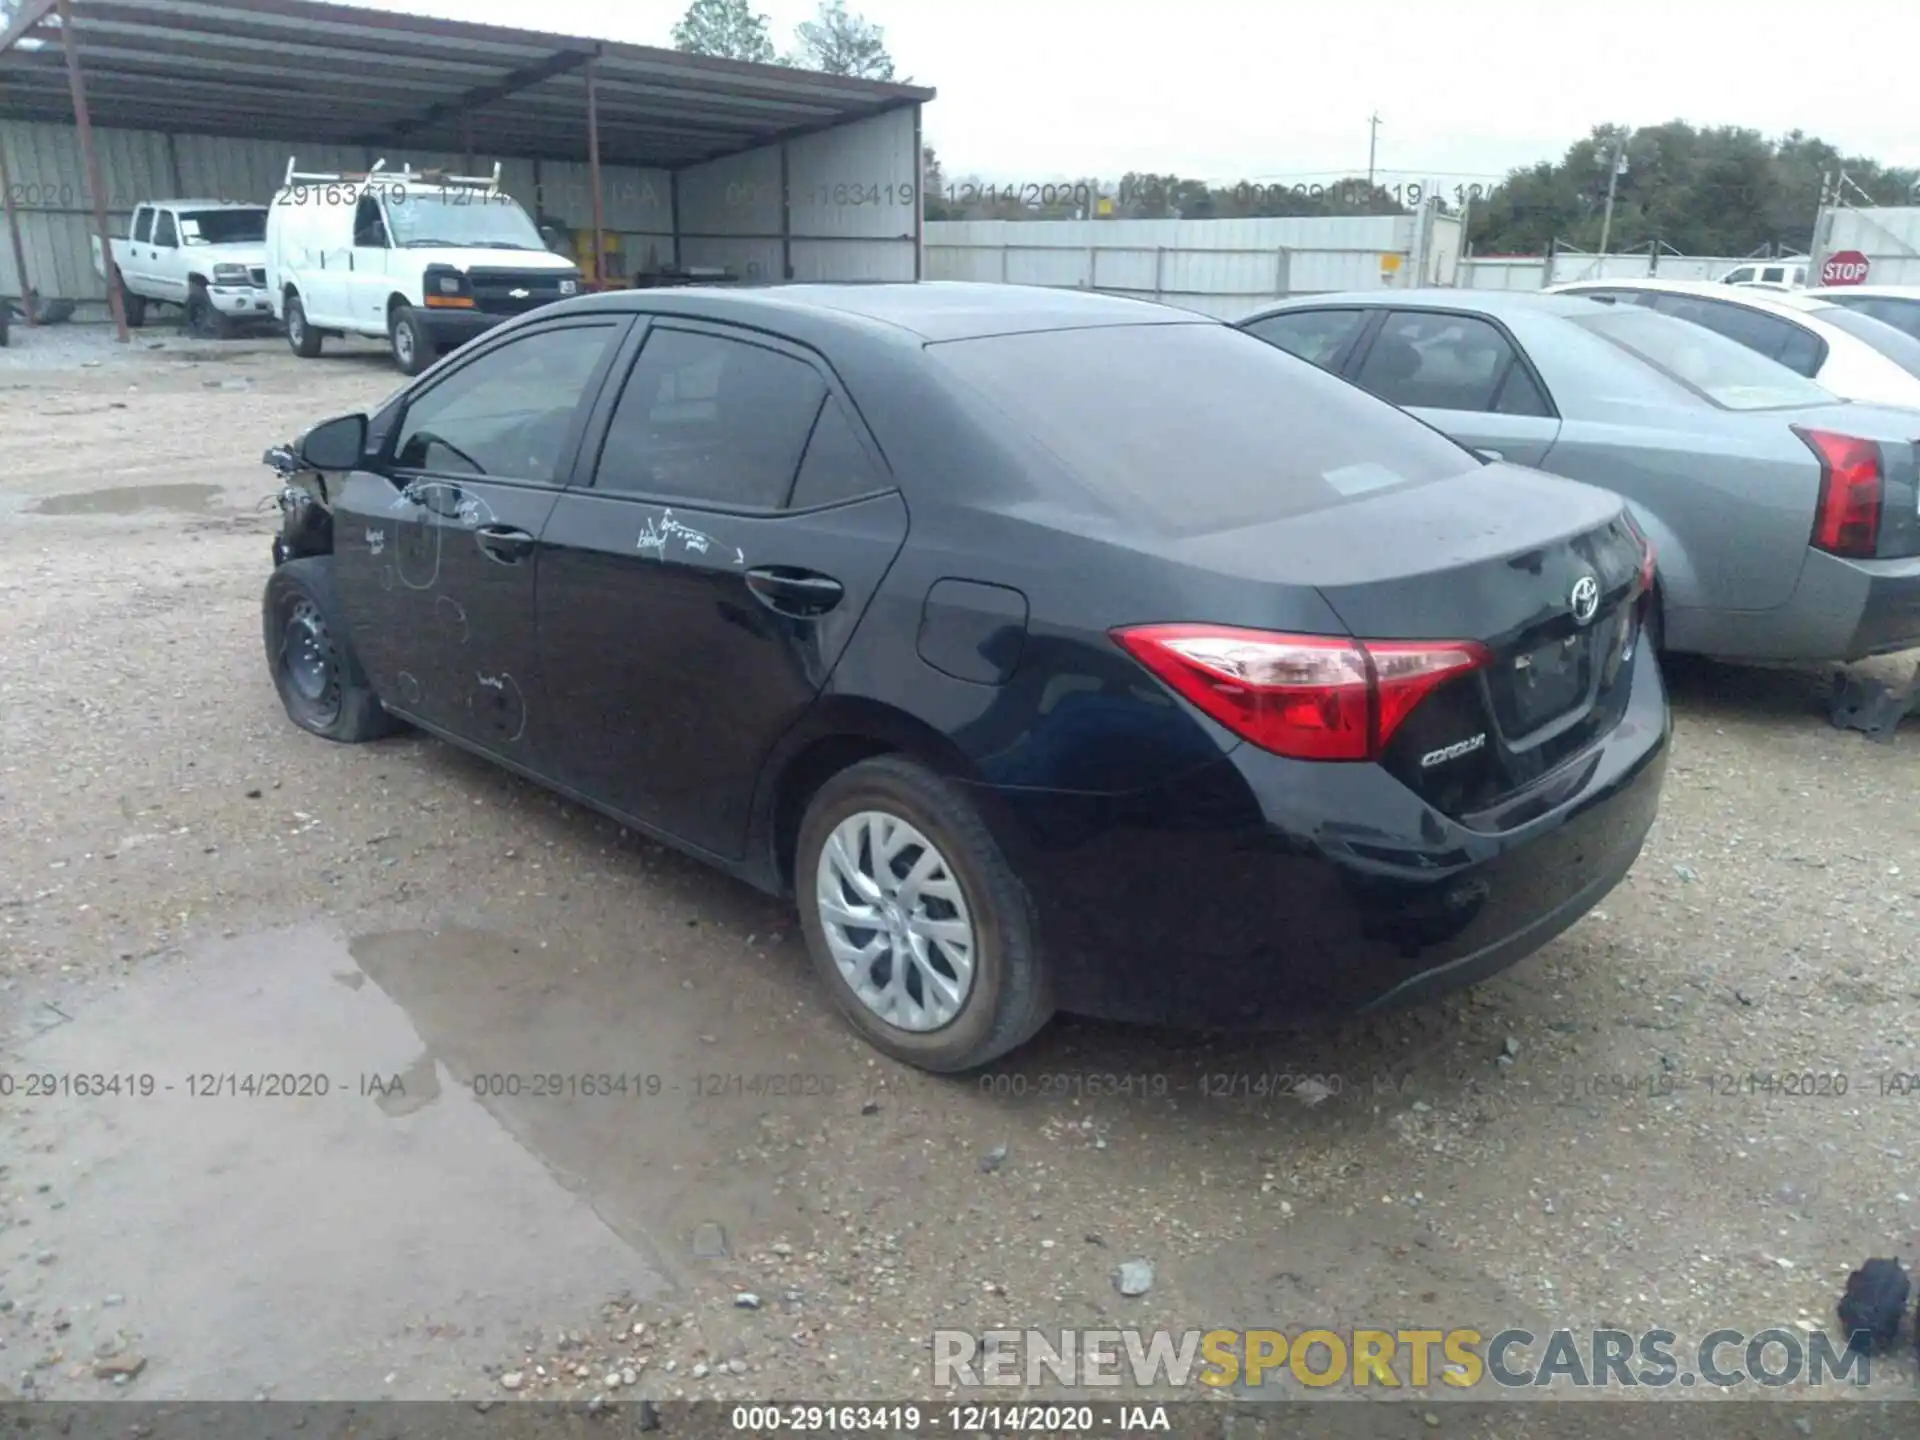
column 837, row 233
column 852, row 205
column 1530, row 272
column 1889, row 237
column 1219, row 267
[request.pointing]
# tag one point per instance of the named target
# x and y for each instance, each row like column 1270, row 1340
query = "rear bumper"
column 1259, row 891
column 1841, row 610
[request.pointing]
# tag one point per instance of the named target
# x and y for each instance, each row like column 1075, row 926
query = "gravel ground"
column 189, row 886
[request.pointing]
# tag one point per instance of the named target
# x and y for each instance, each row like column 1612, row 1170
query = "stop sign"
column 1844, row 267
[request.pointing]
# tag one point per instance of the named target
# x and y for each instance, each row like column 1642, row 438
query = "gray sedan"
column 1786, row 521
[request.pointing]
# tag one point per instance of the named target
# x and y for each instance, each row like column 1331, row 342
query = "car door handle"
column 799, row 593
column 503, row 543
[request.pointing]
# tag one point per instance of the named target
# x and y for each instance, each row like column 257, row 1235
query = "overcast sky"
column 1281, row 90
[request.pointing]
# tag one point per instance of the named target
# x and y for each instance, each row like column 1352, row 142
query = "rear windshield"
column 1201, row 426
column 1897, row 346
column 223, row 227
column 1721, row 371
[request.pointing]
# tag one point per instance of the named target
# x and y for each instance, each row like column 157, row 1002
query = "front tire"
column 412, row 351
column 916, row 923
column 133, row 306
column 311, row 657
column 302, row 337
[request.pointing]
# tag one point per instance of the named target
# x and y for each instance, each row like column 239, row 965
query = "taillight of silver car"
column 1852, row 494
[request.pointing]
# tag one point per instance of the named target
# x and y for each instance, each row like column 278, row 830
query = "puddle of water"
column 130, row 500
column 288, row 1189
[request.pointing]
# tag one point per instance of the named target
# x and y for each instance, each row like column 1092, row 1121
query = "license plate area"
column 1544, row 683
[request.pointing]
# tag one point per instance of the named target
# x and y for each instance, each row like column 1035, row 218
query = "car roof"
column 1483, row 302
column 933, row 310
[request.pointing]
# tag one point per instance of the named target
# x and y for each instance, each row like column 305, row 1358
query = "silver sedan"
column 1786, row 521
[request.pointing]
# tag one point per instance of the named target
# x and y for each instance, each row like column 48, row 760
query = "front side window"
column 165, row 233
column 507, row 413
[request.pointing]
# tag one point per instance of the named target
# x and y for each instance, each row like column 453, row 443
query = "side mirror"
column 339, row 444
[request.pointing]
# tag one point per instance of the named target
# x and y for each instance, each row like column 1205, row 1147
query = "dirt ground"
column 193, row 892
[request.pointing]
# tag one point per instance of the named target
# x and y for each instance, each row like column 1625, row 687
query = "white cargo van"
column 424, row 260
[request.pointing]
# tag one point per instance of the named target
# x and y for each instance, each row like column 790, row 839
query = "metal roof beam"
column 558, row 63
column 31, row 14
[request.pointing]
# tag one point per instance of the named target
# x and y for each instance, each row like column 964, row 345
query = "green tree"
column 731, row 29
column 838, row 41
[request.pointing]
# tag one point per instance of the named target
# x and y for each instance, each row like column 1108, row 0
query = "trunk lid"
column 1542, row 572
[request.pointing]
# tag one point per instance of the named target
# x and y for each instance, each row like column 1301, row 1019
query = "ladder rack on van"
column 405, row 175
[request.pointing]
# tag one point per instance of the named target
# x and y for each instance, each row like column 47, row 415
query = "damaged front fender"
column 306, row 517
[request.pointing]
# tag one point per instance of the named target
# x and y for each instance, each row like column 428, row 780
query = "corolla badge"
column 1585, row 599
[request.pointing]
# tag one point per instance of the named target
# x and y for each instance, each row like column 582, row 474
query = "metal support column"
column 593, row 173
column 19, row 249
column 786, row 216
column 919, row 199
column 83, row 124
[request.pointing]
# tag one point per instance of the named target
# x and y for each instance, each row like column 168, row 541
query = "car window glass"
column 1801, row 352
column 507, row 412
column 1735, row 277
column 1774, row 274
column 1194, row 428
column 711, row 421
column 164, row 231
column 143, row 225
column 368, row 228
column 1441, row 362
column 1721, row 371
column 1901, row 314
column 1519, row 394
column 836, row 466
column 1767, row 334
column 1898, row 346
column 1315, row 335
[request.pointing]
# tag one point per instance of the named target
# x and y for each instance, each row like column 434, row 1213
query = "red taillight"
column 1848, row 519
column 1310, row 697
column 1646, row 568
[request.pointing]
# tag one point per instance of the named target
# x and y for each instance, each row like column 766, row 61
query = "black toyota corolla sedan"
column 1052, row 650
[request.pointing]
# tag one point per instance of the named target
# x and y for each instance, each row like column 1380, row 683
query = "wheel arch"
column 837, row 733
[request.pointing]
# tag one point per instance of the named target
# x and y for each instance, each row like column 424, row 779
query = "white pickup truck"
column 206, row 256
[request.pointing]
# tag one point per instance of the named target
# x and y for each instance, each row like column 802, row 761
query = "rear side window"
column 711, row 421
column 1442, row 362
column 1903, row 315
column 1199, row 427
column 836, row 466
column 1896, row 345
column 1315, row 335
column 143, row 225
column 1721, row 371
column 1769, row 335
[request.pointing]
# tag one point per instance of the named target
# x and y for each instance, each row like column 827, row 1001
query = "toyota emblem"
column 1585, row 599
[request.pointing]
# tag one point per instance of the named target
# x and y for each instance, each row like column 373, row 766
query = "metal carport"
column 756, row 166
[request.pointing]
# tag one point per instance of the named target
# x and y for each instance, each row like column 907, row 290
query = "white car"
column 423, row 261
column 1851, row 354
column 1895, row 305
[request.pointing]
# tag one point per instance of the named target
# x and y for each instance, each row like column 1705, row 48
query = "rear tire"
column 302, row 337
column 967, row 903
column 412, row 351
column 311, row 657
